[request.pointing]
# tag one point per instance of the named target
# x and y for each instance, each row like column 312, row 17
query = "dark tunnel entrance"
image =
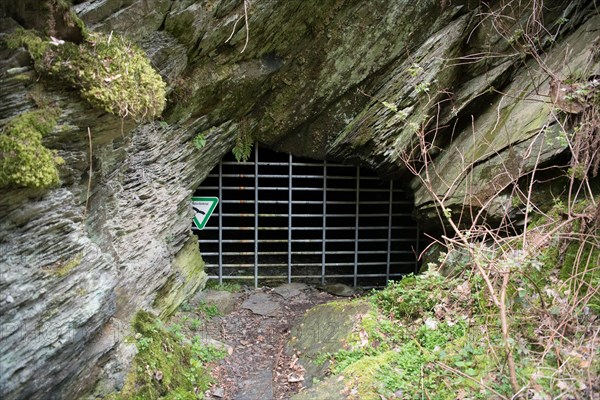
column 283, row 218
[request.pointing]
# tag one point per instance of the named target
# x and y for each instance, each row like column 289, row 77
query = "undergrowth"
column 440, row 338
column 167, row 365
column 231, row 287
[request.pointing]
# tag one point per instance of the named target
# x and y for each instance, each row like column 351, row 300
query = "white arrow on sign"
column 203, row 208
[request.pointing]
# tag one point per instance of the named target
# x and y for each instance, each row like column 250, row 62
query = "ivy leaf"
column 199, row 141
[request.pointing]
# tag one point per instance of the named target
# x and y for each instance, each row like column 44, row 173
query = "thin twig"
column 247, row 26
column 512, row 369
column 441, row 364
column 89, row 186
column 233, row 30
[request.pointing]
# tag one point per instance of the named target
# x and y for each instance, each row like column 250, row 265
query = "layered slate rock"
column 516, row 132
column 357, row 83
column 338, row 80
column 76, row 265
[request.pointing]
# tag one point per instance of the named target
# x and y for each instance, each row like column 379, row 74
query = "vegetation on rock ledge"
column 167, row 366
column 24, row 161
column 440, row 338
column 111, row 73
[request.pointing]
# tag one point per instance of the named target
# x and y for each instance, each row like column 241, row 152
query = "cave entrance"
column 283, row 218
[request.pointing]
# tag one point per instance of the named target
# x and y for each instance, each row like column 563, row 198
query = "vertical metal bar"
column 389, row 238
column 356, row 226
column 323, row 247
column 220, row 223
column 290, row 220
column 418, row 244
column 255, row 217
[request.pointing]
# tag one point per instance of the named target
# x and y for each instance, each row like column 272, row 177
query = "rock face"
column 336, row 80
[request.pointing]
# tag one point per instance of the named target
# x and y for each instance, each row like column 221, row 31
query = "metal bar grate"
column 287, row 218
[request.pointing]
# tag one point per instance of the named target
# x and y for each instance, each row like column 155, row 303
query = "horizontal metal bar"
column 294, row 163
column 320, row 164
column 299, row 253
column 248, row 277
column 329, row 264
column 303, row 253
column 351, row 228
column 316, row 215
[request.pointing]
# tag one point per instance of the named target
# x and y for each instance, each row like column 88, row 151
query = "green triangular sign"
column 203, row 208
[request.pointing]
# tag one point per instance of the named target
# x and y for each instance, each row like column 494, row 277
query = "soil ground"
column 254, row 328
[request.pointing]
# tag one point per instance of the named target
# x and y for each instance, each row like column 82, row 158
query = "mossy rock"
column 324, row 329
column 187, row 277
column 24, row 161
column 332, row 388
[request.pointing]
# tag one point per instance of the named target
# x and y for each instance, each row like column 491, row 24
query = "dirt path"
column 256, row 331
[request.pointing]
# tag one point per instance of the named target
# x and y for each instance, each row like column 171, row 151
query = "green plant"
column 344, row 358
column 231, row 287
column 415, row 70
column 24, row 160
column 412, row 296
column 195, row 324
column 176, row 330
column 423, row 87
column 243, row 144
column 199, row 141
column 209, row 311
column 143, row 343
column 205, row 353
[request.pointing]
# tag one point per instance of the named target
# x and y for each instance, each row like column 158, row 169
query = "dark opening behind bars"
column 285, row 218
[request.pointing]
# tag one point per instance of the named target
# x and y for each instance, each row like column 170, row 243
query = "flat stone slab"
column 332, row 388
column 324, row 329
column 290, row 290
column 259, row 386
column 261, row 304
column 224, row 301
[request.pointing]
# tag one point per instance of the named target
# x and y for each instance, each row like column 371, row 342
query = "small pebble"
column 218, row 392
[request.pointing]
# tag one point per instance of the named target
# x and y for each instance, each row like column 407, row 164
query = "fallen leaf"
column 293, row 378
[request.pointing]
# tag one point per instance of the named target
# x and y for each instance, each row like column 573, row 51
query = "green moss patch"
column 110, row 72
column 35, row 45
column 24, row 161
